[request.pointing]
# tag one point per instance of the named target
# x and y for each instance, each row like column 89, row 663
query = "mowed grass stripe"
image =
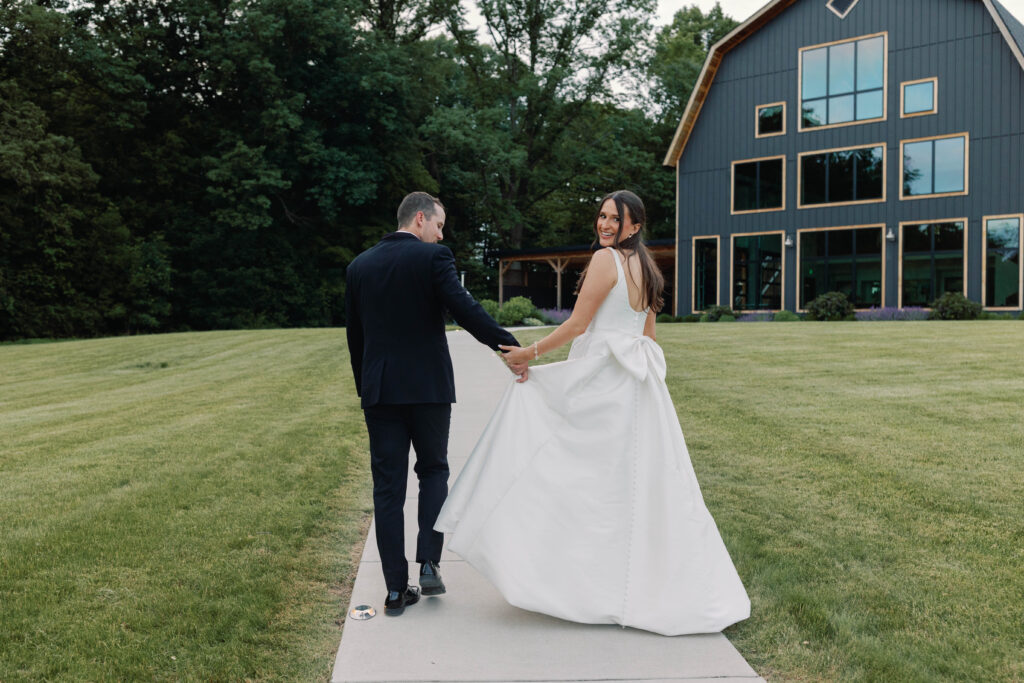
column 191, row 521
column 189, row 508
column 868, row 479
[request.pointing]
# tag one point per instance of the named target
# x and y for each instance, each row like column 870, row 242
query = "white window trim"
column 842, row 15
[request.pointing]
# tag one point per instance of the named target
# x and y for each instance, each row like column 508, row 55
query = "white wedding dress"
column 579, row 500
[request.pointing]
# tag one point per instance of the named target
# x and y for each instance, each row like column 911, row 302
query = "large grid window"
column 842, row 176
column 931, row 261
column 757, row 272
column 758, row 185
column 842, row 83
column 842, row 260
column 1003, row 274
column 705, row 272
column 934, row 166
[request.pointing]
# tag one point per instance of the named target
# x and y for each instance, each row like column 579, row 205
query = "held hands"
column 517, row 355
column 517, row 360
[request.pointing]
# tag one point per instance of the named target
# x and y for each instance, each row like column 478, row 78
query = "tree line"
column 209, row 164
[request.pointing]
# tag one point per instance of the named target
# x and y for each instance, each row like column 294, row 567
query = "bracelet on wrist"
column 536, row 351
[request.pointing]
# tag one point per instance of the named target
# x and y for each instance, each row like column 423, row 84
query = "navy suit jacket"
column 396, row 293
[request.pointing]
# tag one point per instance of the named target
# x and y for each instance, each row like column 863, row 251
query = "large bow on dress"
column 638, row 355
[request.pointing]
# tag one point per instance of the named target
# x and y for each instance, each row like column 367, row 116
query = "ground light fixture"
column 362, row 612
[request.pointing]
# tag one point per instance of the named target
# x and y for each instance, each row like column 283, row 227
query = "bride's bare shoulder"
column 602, row 266
column 603, row 258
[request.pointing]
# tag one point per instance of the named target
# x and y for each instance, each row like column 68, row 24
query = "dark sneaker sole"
column 432, row 590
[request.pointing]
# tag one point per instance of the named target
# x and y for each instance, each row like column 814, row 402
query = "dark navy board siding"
column 980, row 91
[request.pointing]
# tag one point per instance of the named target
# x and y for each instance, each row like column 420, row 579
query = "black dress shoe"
column 430, row 579
column 397, row 601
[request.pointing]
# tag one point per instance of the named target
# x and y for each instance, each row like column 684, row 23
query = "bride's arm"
column 601, row 277
column 652, row 318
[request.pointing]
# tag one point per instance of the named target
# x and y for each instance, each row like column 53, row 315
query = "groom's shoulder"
column 427, row 250
column 402, row 250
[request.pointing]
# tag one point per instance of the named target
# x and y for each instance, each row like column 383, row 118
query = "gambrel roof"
column 1009, row 26
column 1014, row 25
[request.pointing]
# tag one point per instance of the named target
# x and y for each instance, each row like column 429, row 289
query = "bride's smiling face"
column 610, row 224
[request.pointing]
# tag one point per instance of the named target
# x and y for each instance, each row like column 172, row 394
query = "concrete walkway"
column 471, row 633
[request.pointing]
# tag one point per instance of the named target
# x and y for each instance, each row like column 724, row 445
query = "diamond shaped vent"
column 841, row 7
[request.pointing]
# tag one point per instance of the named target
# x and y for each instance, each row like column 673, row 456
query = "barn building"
column 872, row 147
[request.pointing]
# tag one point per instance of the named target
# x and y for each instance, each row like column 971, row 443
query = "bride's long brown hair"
column 653, row 283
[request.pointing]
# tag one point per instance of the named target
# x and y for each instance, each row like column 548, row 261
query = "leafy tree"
column 218, row 163
column 63, row 249
column 550, row 60
column 680, row 49
column 405, row 22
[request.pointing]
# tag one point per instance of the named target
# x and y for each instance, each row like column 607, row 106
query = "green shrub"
column 534, row 322
column 727, row 319
column 830, row 306
column 666, row 318
column 954, row 306
column 514, row 311
column 786, row 317
column 692, row 318
column 715, row 313
column 703, row 318
column 491, row 306
column 989, row 315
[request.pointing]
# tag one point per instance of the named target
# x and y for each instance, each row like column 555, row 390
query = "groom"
column 395, row 297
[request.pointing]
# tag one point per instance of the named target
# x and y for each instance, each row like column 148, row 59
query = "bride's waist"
column 599, row 342
column 611, row 334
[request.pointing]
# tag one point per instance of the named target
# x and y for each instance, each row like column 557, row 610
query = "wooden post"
column 559, row 267
column 503, row 266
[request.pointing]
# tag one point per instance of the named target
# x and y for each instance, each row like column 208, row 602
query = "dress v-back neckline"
column 622, row 278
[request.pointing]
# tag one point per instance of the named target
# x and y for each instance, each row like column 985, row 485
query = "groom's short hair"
column 415, row 202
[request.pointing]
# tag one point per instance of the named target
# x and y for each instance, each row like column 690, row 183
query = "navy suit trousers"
column 392, row 429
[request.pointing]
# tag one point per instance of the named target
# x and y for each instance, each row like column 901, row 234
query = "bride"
column 579, row 500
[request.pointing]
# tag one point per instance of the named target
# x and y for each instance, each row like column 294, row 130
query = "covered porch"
column 548, row 275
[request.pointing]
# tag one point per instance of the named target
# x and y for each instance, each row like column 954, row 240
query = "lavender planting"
column 891, row 313
column 556, row 316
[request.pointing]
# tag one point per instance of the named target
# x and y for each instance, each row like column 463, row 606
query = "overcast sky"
column 737, row 9
column 742, row 9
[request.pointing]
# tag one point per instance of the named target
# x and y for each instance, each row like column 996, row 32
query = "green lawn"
column 178, row 506
column 189, row 506
column 868, row 479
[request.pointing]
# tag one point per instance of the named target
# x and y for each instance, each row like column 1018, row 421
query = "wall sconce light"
column 789, row 240
column 890, row 235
